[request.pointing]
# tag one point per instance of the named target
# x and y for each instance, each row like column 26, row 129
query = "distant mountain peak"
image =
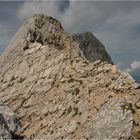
column 91, row 47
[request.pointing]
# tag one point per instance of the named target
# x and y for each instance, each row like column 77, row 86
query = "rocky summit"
column 62, row 86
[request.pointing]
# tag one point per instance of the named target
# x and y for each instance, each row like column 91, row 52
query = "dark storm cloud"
column 63, row 5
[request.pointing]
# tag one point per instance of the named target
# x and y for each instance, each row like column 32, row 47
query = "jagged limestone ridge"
column 54, row 91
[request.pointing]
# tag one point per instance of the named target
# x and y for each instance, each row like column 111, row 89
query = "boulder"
column 5, row 134
column 113, row 121
column 9, row 125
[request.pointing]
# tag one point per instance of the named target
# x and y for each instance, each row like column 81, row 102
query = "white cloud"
column 134, row 67
column 29, row 8
column 119, row 64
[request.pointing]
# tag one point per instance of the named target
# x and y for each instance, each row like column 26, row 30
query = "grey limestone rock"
column 4, row 131
column 9, row 124
column 9, row 117
column 91, row 47
column 113, row 121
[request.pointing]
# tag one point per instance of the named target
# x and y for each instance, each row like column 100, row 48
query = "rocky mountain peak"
column 43, row 29
column 64, row 86
column 36, row 29
column 91, row 47
column 48, row 31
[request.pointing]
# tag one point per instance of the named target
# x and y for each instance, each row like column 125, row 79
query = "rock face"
column 9, row 125
column 91, row 47
column 56, row 87
column 114, row 120
column 4, row 132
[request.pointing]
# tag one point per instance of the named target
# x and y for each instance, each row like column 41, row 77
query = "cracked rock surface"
column 114, row 120
column 56, row 89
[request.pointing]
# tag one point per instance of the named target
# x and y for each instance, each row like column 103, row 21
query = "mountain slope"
column 57, row 85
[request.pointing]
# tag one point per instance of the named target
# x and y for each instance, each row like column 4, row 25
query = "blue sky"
column 115, row 24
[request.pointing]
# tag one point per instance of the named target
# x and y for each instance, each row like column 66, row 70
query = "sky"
column 115, row 23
